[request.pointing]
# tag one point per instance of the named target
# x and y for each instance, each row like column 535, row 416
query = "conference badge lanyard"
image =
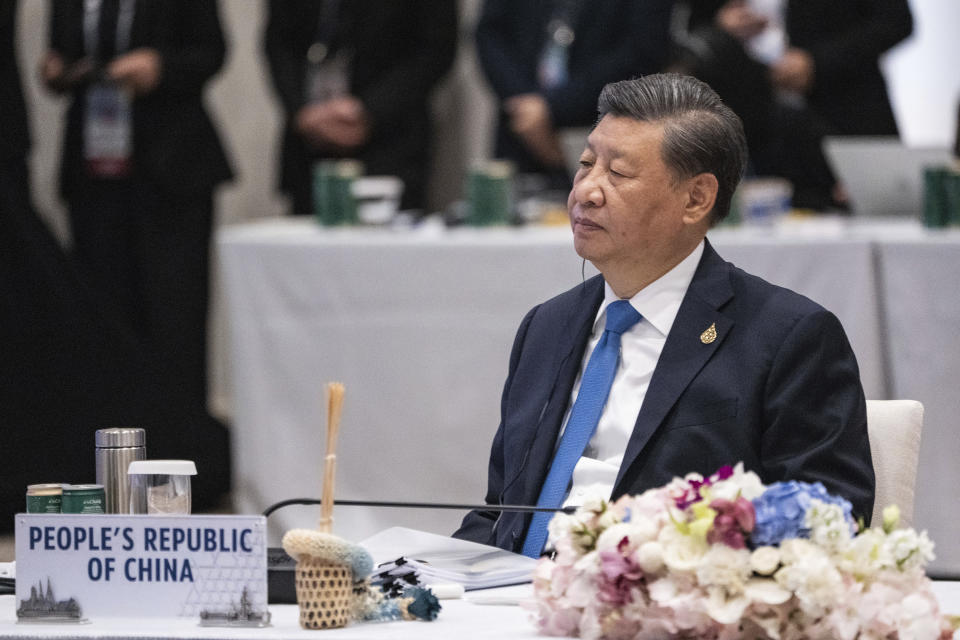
column 552, row 70
column 108, row 121
column 328, row 66
column 554, row 63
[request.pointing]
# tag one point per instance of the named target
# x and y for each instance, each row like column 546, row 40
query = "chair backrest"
column 894, row 427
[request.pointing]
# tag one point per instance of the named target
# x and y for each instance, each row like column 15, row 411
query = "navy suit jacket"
column 778, row 389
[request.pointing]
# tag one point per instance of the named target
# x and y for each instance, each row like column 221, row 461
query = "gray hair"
column 700, row 133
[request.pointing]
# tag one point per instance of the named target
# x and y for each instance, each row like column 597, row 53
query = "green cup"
column 951, row 193
column 935, row 213
column 490, row 194
column 333, row 200
column 44, row 498
column 83, row 498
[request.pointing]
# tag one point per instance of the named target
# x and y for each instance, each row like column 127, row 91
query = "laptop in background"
column 883, row 176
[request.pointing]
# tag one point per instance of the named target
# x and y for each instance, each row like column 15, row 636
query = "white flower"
column 650, row 557
column 561, row 524
column 829, row 528
column 918, row 619
column 908, row 549
column 581, row 592
column 745, row 484
column 607, row 519
column 610, row 539
column 809, row 573
column 588, row 565
column 796, row 550
column 593, row 504
column 765, row 560
column 724, row 609
column 766, row 590
column 643, row 530
column 866, row 555
column 725, row 567
column 681, row 553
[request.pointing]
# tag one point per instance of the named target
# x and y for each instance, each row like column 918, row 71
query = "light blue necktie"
column 594, row 389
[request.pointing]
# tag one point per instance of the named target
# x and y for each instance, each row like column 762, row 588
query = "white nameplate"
column 213, row 568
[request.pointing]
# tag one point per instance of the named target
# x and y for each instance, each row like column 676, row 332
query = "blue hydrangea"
column 782, row 508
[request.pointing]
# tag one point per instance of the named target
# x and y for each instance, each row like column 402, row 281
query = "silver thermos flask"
column 116, row 449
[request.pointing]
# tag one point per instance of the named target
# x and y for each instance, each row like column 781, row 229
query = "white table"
column 419, row 324
column 457, row 619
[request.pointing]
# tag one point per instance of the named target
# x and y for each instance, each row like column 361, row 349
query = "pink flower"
column 619, row 575
column 723, row 473
column 734, row 521
column 692, row 494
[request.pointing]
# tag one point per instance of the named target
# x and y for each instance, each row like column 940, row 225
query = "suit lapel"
column 573, row 334
column 684, row 352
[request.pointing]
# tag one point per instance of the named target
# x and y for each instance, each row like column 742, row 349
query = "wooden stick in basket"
column 334, row 408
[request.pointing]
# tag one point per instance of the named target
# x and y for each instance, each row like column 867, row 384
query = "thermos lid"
column 121, row 437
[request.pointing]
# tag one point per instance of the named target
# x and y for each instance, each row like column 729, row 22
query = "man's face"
column 625, row 207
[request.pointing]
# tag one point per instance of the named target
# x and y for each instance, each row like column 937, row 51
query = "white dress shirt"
column 640, row 348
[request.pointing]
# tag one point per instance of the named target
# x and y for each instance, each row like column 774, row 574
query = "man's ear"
column 701, row 192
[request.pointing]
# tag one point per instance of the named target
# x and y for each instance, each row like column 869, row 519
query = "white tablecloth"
column 419, row 324
column 457, row 619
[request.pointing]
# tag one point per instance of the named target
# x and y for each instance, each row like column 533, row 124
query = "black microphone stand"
column 418, row 505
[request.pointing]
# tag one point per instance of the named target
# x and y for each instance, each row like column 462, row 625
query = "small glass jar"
column 160, row 486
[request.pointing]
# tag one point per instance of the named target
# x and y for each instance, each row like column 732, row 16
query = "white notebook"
column 441, row 559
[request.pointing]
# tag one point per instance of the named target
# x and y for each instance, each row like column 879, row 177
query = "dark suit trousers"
column 148, row 253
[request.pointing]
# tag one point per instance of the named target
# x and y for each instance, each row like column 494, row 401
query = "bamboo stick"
column 335, row 391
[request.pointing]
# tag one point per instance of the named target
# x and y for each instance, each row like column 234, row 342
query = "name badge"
column 107, row 131
column 327, row 77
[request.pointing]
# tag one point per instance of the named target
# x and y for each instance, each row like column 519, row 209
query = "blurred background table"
column 418, row 325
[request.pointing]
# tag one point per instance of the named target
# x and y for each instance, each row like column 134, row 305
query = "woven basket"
column 324, row 593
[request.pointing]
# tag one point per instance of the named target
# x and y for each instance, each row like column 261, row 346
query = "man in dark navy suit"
column 715, row 366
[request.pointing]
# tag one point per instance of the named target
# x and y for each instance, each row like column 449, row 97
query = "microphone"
column 418, row 505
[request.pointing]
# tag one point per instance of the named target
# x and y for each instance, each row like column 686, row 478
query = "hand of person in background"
column 139, row 69
column 739, row 20
column 339, row 122
column 530, row 120
column 58, row 76
column 794, row 71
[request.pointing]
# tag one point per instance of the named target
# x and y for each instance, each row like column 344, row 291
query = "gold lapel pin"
column 709, row 335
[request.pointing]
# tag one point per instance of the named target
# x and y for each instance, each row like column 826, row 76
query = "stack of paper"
column 404, row 555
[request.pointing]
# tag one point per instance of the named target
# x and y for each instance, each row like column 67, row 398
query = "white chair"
column 894, row 427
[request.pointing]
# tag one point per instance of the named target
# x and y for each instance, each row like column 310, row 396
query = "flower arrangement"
column 727, row 557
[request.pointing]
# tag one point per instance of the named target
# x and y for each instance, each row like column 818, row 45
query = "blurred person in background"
column 67, row 368
column 140, row 162
column 14, row 133
column 354, row 79
column 796, row 71
column 547, row 60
